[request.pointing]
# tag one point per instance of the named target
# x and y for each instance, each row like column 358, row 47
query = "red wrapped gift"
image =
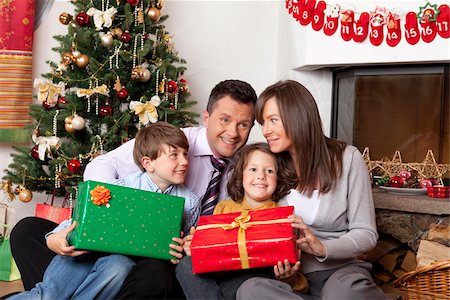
column 237, row 241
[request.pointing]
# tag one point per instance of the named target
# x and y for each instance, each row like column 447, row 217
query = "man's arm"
column 115, row 164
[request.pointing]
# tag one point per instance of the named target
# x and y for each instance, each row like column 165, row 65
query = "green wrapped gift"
column 124, row 220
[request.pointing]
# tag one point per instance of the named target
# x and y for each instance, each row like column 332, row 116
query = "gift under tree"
column 118, row 71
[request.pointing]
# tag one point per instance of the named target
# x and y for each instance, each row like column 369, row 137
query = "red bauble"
column 74, row 166
column 125, row 37
column 82, row 18
column 105, row 111
column 396, row 182
column 47, row 105
column 172, row 107
column 171, row 86
column 122, row 95
column 133, row 2
column 62, row 100
column 35, row 152
column 183, row 80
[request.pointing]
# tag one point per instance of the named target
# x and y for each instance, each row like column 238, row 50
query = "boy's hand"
column 187, row 241
column 176, row 250
column 57, row 242
column 285, row 272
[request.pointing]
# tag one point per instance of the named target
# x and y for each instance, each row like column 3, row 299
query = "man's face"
column 228, row 126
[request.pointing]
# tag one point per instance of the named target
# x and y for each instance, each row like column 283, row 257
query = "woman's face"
column 273, row 129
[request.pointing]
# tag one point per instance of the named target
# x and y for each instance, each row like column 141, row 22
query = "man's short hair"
column 240, row 91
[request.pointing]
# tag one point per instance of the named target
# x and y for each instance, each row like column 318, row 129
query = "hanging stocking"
column 429, row 30
column 412, row 33
column 394, row 34
column 332, row 19
column 318, row 16
column 289, row 5
column 306, row 11
column 347, row 17
column 296, row 10
column 443, row 21
column 376, row 29
column 361, row 28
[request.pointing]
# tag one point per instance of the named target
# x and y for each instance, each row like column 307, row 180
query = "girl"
column 258, row 181
column 333, row 201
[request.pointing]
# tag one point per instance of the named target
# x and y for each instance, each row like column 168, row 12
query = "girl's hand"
column 284, row 271
column 176, row 250
column 307, row 241
column 57, row 242
column 187, row 242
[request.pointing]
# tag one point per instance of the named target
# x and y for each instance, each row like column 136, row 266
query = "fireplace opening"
column 390, row 108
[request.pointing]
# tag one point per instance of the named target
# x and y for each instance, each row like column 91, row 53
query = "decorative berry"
column 122, row 95
column 105, row 111
column 82, row 18
column 171, row 86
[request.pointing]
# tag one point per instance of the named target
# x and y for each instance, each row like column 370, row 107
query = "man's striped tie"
column 209, row 200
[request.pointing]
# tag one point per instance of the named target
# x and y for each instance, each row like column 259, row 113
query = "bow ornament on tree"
column 102, row 18
column 103, row 90
column 48, row 91
column 7, row 188
column 147, row 111
column 44, row 144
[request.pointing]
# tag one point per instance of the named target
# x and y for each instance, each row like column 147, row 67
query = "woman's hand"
column 284, row 271
column 177, row 249
column 187, row 241
column 307, row 241
column 57, row 242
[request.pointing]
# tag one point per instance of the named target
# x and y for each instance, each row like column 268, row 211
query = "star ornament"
column 429, row 168
column 428, row 13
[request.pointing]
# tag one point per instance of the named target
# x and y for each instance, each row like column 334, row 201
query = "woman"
column 334, row 212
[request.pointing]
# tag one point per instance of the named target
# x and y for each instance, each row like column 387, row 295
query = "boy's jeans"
column 80, row 278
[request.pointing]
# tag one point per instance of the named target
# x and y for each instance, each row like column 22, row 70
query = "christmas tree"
column 119, row 71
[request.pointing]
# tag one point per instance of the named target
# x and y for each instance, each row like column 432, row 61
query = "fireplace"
column 389, row 108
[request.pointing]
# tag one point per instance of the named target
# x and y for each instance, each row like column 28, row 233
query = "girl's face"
column 259, row 177
column 273, row 129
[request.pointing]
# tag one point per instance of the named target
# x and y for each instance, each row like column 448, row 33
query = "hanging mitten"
column 361, row 28
column 443, row 21
column 347, row 18
column 412, row 33
column 394, row 34
column 318, row 16
column 332, row 19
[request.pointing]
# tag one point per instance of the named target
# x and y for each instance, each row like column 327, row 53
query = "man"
column 228, row 119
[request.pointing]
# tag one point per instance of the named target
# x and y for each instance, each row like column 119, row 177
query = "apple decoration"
column 396, row 182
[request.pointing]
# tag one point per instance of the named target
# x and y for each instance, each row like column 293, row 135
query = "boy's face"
column 170, row 167
column 259, row 177
column 228, row 126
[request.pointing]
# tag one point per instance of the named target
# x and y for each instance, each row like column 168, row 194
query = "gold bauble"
column 107, row 40
column 66, row 58
column 82, row 61
column 76, row 54
column 154, row 14
column 145, row 75
column 136, row 73
column 159, row 4
column 68, row 120
column 69, row 128
column 65, row 18
column 25, row 195
column 116, row 32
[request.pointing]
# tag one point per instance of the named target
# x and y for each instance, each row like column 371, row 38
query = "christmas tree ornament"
column 78, row 123
column 171, row 86
column 147, row 111
column 394, row 31
column 396, row 181
column 136, row 73
column 68, row 120
column 66, row 58
column 159, row 4
column 102, row 18
column 183, row 86
column 62, row 100
column 347, row 19
column 116, row 32
column 105, row 110
column 82, row 19
column 122, row 95
column 65, row 18
column 68, row 127
column 82, row 61
column 318, row 16
column 106, row 40
column 25, row 195
column 361, row 27
column 145, row 75
column 443, row 21
column 75, row 54
column 74, row 166
column 153, row 14
column 125, row 37
column 133, row 2
column 47, row 105
column 35, row 152
column 332, row 19
column 412, row 33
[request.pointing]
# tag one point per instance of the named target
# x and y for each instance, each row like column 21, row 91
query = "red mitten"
column 318, row 16
column 296, row 10
column 443, row 21
column 306, row 11
column 394, row 34
column 376, row 29
column 412, row 33
column 361, row 28
column 428, row 24
column 332, row 19
column 347, row 18
column 289, row 5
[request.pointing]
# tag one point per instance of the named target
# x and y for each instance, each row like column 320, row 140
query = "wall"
column 256, row 41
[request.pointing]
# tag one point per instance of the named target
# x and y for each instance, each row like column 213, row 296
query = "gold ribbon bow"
column 48, row 91
column 102, row 18
column 147, row 111
column 103, row 90
column 243, row 223
column 7, row 188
